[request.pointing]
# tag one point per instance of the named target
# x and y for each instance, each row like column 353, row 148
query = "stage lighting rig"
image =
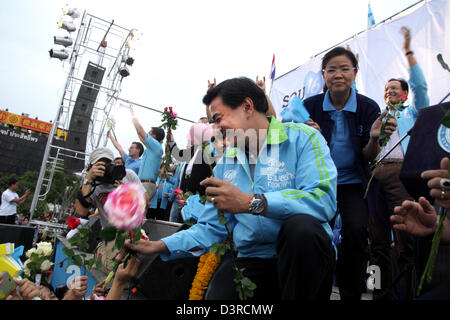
column 66, row 25
column 128, row 60
column 59, row 54
column 71, row 12
column 64, row 41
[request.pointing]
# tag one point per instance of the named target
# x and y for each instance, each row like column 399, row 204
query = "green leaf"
column 68, row 252
column 120, row 240
column 77, row 261
column 84, row 231
column 223, row 220
column 98, row 264
column 446, row 119
column 137, row 235
column 108, row 234
column 442, row 62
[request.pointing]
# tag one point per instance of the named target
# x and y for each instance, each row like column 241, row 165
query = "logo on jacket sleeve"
column 443, row 137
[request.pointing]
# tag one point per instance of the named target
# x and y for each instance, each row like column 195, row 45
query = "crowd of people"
column 281, row 185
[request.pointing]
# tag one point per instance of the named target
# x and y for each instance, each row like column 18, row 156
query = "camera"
column 112, row 173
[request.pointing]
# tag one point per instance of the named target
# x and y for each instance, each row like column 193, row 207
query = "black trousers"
column 353, row 251
column 11, row 219
column 302, row 271
column 391, row 193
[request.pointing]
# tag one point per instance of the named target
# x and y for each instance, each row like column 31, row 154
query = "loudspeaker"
column 424, row 151
column 19, row 235
column 95, row 226
column 81, row 115
column 165, row 280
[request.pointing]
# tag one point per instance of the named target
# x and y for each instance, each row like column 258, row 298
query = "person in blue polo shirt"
column 151, row 159
column 277, row 189
column 132, row 160
column 350, row 123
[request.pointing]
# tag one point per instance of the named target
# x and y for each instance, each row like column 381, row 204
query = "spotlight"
column 124, row 72
column 66, row 25
column 64, row 41
column 59, row 54
column 72, row 12
column 128, row 60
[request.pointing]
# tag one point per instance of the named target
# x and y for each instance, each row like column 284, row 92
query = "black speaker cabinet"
column 19, row 235
column 165, row 280
column 81, row 115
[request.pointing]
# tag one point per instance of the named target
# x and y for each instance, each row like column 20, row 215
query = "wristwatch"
column 257, row 205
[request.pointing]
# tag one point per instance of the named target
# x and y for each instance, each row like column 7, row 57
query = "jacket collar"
column 276, row 134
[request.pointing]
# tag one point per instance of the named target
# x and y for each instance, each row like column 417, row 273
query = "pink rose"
column 165, row 109
column 179, row 196
column 182, row 202
column 125, row 206
column 177, row 191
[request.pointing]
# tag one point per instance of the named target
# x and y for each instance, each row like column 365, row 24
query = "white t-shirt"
column 8, row 207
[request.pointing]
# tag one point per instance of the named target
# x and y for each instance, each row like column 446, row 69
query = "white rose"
column 46, row 264
column 27, row 272
column 30, row 252
column 44, row 248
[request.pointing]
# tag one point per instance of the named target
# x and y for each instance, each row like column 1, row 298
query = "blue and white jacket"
column 296, row 174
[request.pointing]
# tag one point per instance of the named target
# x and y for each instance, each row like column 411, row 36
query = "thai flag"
column 272, row 71
column 370, row 18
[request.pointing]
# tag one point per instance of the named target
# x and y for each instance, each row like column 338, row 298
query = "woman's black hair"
column 339, row 51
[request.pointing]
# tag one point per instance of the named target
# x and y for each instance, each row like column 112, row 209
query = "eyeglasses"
column 332, row 71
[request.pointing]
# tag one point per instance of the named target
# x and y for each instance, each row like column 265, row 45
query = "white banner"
column 381, row 57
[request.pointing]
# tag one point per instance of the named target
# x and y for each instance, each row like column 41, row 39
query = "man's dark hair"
column 159, row 133
column 403, row 83
column 336, row 52
column 117, row 158
column 234, row 91
column 140, row 147
column 12, row 181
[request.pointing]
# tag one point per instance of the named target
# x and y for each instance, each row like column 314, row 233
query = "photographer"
column 102, row 178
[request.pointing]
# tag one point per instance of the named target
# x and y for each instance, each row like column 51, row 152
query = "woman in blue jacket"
column 350, row 123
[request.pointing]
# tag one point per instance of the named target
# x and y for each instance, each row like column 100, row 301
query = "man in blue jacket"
column 276, row 185
column 390, row 190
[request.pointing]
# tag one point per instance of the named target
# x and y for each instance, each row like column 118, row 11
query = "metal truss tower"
column 106, row 45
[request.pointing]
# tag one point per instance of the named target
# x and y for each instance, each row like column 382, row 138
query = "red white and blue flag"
column 272, row 71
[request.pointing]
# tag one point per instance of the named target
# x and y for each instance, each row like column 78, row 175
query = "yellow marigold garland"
column 207, row 265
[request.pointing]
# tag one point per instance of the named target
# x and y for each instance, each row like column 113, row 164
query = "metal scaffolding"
column 103, row 43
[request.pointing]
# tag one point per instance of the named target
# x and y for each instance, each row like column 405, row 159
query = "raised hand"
column 211, row 84
column 261, row 83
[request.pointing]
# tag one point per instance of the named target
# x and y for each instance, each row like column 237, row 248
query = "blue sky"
column 184, row 44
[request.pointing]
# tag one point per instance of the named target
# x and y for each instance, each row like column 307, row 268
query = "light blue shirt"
column 341, row 147
column 295, row 173
column 133, row 164
column 151, row 159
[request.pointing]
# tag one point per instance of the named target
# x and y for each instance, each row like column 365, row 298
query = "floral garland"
column 207, row 265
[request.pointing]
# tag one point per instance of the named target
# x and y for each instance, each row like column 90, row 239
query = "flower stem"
column 428, row 271
column 370, row 181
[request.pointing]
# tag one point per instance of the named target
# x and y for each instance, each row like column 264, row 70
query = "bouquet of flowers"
column 38, row 266
column 169, row 122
